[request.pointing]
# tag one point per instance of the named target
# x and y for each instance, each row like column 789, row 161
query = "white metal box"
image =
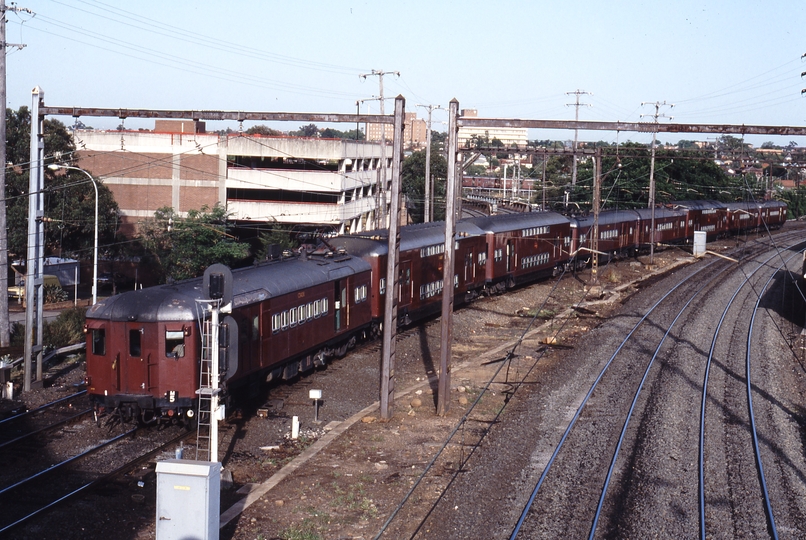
column 188, row 499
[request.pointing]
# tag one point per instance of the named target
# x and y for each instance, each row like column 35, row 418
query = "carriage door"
column 340, row 304
column 134, row 369
column 510, row 256
column 404, row 283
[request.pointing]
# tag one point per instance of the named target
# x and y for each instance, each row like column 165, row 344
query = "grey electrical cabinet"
column 188, row 499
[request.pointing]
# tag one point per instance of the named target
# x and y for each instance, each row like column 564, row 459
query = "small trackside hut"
column 143, row 347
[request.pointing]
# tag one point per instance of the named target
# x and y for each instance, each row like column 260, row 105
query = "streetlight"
column 54, row 167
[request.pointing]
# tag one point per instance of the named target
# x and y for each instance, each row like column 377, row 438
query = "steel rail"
column 767, row 503
column 46, row 428
column 66, row 462
column 93, row 483
column 578, row 413
column 635, row 399
column 701, row 457
column 43, row 407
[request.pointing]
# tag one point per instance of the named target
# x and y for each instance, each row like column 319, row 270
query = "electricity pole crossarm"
column 655, row 116
column 577, row 104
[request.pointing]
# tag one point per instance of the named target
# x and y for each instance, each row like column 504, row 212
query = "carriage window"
column 134, row 343
column 174, row 343
column 255, row 327
column 382, row 286
column 275, row 323
column 309, row 311
column 316, row 308
column 99, row 341
column 292, row 320
column 301, row 314
column 324, row 306
column 285, row 320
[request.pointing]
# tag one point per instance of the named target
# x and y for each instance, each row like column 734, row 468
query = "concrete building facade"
column 318, row 182
column 508, row 136
column 414, row 131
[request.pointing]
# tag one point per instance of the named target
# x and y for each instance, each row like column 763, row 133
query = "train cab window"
column 174, row 343
column 98, row 341
column 382, row 286
column 482, row 258
column 255, row 327
column 135, row 349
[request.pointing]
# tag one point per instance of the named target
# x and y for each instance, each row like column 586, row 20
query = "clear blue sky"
column 733, row 62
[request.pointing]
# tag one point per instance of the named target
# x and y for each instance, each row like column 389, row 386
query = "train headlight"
column 190, row 413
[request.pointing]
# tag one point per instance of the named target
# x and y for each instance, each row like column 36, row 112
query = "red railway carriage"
column 743, row 216
column 422, row 249
column 143, row 347
column 773, row 213
column 670, row 226
column 708, row 216
column 523, row 247
column 618, row 232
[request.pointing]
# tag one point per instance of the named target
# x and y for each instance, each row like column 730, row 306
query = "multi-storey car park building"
column 290, row 180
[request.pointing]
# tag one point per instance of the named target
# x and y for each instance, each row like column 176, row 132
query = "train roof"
column 374, row 243
column 514, row 222
column 177, row 302
column 660, row 213
column 697, row 205
column 608, row 217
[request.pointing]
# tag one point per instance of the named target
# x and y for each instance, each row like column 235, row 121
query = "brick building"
column 319, row 182
column 414, row 131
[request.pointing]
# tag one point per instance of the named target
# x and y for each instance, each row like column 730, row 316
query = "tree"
column 69, row 196
column 184, row 247
column 306, row 131
column 413, row 179
column 261, row 129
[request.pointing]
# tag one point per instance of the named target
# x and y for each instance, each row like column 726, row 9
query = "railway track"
column 29, row 497
column 27, row 424
column 635, row 429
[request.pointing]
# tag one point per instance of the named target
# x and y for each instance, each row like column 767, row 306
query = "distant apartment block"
column 414, row 131
column 317, row 182
column 508, row 136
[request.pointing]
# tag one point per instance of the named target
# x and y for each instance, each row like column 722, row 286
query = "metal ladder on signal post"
column 204, row 417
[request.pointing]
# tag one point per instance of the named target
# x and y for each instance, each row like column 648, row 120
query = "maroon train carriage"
column 143, row 346
column 708, row 216
column 422, row 249
column 618, row 233
column 773, row 213
column 743, row 216
column 670, row 227
column 523, row 247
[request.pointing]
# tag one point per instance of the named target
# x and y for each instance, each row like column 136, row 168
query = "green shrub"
column 67, row 329
column 54, row 294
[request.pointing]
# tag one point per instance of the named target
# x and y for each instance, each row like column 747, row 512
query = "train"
column 288, row 316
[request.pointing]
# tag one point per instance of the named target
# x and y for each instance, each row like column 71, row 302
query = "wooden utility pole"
column 428, row 214
column 576, row 131
column 444, row 386
column 657, row 115
column 380, row 73
column 4, row 322
column 387, row 397
column 597, row 190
